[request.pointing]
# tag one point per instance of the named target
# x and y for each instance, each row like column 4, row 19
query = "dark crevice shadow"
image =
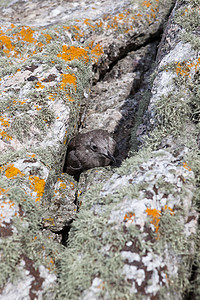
column 132, row 104
column 127, row 49
column 129, row 109
column 65, row 234
column 135, row 105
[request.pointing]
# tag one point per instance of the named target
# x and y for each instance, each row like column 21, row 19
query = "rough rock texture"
column 69, row 66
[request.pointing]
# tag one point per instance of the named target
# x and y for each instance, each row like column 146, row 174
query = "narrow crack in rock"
column 139, row 65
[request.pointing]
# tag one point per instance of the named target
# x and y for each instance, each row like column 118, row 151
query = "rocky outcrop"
column 126, row 232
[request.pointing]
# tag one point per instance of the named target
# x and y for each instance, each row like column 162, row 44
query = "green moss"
column 5, row 3
column 189, row 19
column 28, row 239
column 21, row 128
column 83, row 259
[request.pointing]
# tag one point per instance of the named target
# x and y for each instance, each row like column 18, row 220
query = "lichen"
column 27, row 235
column 83, row 260
column 173, row 114
column 188, row 17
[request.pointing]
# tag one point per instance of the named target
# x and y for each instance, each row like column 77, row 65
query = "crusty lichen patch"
column 129, row 214
column 188, row 17
column 141, row 224
column 44, row 75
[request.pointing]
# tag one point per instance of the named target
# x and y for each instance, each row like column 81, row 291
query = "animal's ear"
column 93, row 146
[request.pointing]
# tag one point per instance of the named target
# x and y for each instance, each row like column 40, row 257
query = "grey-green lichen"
column 29, row 112
column 84, row 259
column 81, row 261
column 27, row 238
column 177, row 116
column 188, row 17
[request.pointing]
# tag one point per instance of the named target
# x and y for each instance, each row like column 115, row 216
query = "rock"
column 134, row 233
column 61, row 209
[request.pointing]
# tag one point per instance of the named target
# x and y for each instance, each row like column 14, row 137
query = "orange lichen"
column 129, row 216
column 86, row 21
column 65, row 138
column 6, row 42
column 99, row 23
column 168, row 208
column 70, row 98
column 184, row 68
column 37, row 185
column 51, row 220
column 51, row 263
column 96, row 51
column 101, row 285
column 3, row 191
column 72, row 184
column 5, row 135
column 48, row 37
column 185, row 166
column 23, row 37
column 12, row 172
column 31, row 155
column 39, row 85
column 66, row 27
column 5, row 203
column 51, row 96
column 71, row 53
column 78, row 33
column 39, row 44
column 76, row 27
column 68, row 79
column 26, row 34
column 37, row 107
column 63, row 185
column 4, row 122
column 155, row 216
column 79, row 193
column 146, row 3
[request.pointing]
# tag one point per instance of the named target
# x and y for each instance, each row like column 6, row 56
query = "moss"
column 188, row 18
column 4, row 3
column 172, row 233
column 21, row 128
column 173, row 114
column 83, row 260
column 28, row 238
column 134, row 161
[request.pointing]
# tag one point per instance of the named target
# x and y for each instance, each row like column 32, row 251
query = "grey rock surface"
column 130, row 232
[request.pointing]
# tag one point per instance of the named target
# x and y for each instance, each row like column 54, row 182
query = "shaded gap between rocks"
column 129, row 110
column 134, row 107
column 136, row 104
column 153, row 38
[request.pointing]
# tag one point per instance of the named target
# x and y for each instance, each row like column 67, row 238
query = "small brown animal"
column 89, row 150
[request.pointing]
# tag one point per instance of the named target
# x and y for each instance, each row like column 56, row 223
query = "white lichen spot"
column 132, row 272
column 94, row 290
column 8, row 210
column 130, row 256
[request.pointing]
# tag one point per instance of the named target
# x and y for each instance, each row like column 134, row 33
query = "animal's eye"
column 93, row 147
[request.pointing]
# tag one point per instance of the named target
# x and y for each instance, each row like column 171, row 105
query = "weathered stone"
column 61, row 207
column 135, row 230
